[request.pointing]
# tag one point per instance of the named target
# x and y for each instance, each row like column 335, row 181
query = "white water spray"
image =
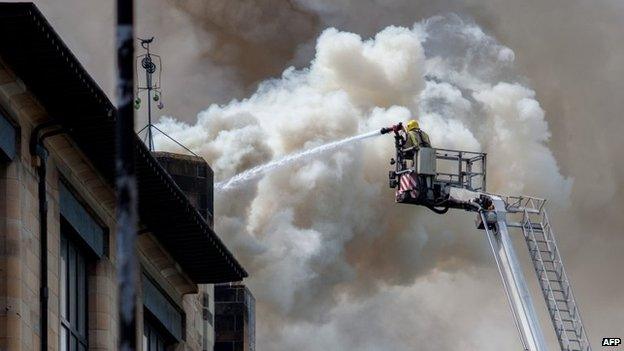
column 288, row 159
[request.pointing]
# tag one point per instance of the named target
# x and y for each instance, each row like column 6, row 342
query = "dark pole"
column 127, row 265
column 150, row 139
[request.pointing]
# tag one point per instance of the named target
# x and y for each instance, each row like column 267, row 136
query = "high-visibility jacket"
column 417, row 138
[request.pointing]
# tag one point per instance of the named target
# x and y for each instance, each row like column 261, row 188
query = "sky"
column 536, row 84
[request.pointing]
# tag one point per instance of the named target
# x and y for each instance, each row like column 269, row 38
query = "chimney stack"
column 194, row 177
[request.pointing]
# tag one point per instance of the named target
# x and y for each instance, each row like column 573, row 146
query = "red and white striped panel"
column 407, row 183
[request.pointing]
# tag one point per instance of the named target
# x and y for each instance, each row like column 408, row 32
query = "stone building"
column 57, row 164
column 235, row 318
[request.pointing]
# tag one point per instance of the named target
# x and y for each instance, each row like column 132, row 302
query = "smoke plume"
column 318, row 234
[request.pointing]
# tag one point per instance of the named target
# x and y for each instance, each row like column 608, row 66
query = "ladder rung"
column 542, row 251
column 544, row 269
column 560, row 300
column 552, row 280
column 546, row 261
column 566, row 331
column 541, row 241
column 549, row 281
column 550, row 254
column 553, row 309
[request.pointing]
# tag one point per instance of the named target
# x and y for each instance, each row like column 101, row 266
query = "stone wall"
column 19, row 240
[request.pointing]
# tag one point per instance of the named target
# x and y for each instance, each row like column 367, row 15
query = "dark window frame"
column 86, row 207
column 153, row 332
column 73, row 294
column 146, row 277
column 14, row 122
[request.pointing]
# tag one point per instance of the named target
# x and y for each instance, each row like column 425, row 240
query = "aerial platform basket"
column 430, row 176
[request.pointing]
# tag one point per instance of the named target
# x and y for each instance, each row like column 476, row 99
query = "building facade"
column 235, row 318
column 57, row 213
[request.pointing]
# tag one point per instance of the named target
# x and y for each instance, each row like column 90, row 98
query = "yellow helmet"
column 412, row 124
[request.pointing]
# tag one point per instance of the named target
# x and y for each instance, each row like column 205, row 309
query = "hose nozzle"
column 395, row 128
column 385, row 130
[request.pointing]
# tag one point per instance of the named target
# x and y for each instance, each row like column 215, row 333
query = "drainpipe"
column 37, row 149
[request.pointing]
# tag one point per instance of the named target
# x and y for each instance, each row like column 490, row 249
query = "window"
column 153, row 338
column 201, row 171
column 73, row 297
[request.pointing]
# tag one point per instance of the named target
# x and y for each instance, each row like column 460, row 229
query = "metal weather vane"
column 148, row 76
column 149, row 66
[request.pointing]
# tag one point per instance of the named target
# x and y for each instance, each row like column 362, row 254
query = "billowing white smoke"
column 323, row 241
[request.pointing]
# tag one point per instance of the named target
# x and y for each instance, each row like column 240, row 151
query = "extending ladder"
column 554, row 283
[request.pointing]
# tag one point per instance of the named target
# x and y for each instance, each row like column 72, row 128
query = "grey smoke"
column 326, row 231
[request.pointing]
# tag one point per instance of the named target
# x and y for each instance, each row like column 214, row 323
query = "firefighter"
column 415, row 139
